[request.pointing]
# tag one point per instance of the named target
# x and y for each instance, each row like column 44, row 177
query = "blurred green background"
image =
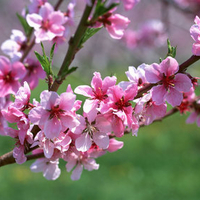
column 163, row 162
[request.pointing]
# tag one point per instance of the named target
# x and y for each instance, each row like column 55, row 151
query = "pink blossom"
column 97, row 93
column 13, row 115
column 47, row 23
column 117, row 26
column 119, row 109
column 195, row 34
column 35, row 5
column 15, row 45
column 129, row 4
column 52, row 147
column 22, row 97
column 77, row 160
column 3, row 121
column 114, row 145
column 92, row 129
column 148, row 110
column 54, row 113
column 18, row 154
column 34, row 72
column 135, row 76
column 194, row 117
column 50, row 168
column 10, row 73
column 171, row 84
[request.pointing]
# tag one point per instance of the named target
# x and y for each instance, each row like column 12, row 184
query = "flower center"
column 121, row 104
column 168, row 81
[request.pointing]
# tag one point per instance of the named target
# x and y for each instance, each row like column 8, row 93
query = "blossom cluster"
column 109, row 111
column 54, row 128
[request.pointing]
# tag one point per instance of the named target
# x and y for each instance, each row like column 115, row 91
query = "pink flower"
column 22, row 97
column 52, row 147
column 92, row 130
column 171, row 84
column 119, row 109
column 195, row 34
column 34, row 72
column 97, row 93
column 3, row 121
column 148, row 110
column 15, row 45
column 47, row 23
column 35, row 5
column 50, row 168
column 135, row 76
column 76, row 160
column 10, row 73
column 54, row 113
column 117, row 26
column 129, row 4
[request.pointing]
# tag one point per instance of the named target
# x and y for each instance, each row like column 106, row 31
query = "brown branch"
column 187, row 63
column 7, row 159
column 58, row 4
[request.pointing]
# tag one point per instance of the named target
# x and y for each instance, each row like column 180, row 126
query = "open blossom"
column 50, row 168
column 147, row 110
column 119, row 109
column 135, row 76
column 171, row 84
column 52, row 147
column 195, row 34
column 15, row 45
column 10, row 74
column 54, row 114
column 92, row 129
column 77, row 160
column 47, row 23
column 97, row 92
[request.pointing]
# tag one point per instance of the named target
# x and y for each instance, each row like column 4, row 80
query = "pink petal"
column 174, row 97
column 76, row 174
column 182, row 83
column 152, row 74
column 169, row 66
column 114, row 145
column 67, row 101
column 158, row 94
column 101, row 139
column 192, row 118
column 118, row 127
column 84, row 90
column 48, row 148
column 83, row 143
column 52, row 128
column 52, row 171
column 196, row 49
column 34, row 20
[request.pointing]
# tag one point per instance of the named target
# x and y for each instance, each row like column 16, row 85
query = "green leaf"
column 26, row 27
column 52, row 52
column 43, row 62
column 102, row 9
column 171, row 50
column 69, row 71
column 88, row 34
